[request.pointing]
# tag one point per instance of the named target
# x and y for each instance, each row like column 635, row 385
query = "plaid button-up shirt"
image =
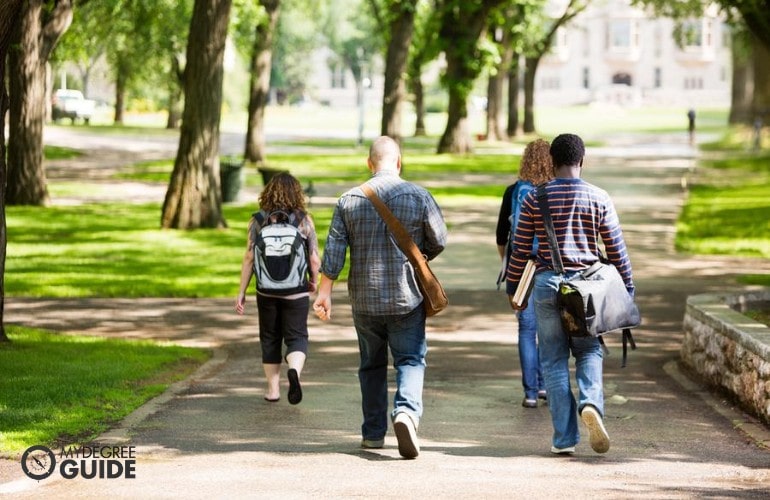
column 381, row 279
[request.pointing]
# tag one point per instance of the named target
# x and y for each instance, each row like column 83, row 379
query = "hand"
column 514, row 306
column 240, row 302
column 323, row 307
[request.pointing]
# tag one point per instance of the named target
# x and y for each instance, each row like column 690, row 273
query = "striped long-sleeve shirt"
column 583, row 216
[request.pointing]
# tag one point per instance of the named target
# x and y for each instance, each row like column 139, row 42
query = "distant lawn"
column 60, row 389
column 347, row 167
column 727, row 209
column 119, row 250
column 59, row 153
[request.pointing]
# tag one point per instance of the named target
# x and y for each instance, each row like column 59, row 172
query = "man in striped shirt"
column 583, row 217
column 386, row 302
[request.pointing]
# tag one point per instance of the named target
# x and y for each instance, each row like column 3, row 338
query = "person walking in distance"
column 283, row 292
column 385, row 300
column 536, row 168
column 582, row 214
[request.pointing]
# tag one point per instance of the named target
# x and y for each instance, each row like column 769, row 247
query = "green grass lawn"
column 61, row 389
column 119, row 250
column 727, row 211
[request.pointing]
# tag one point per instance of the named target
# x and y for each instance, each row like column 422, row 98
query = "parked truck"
column 71, row 104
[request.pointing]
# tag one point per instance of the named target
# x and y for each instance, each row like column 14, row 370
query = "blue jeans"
column 531, row 374
column 405, row 335
column 555, row 348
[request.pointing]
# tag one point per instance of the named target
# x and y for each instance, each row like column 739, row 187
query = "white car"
column 71, row 104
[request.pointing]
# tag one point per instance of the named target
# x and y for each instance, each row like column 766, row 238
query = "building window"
column 658, row 82
column 692, row 34
column 619, row 35
column 697, row 34
column 693, row 83
column 550, row 83
column 623, row 35
column 338, row 76
column 586, row 78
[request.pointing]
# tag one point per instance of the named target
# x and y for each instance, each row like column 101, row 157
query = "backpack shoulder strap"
column 296, row 217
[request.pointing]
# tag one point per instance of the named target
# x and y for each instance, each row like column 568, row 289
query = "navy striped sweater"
column 583, row 218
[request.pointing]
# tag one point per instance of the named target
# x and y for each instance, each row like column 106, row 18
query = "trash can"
column 230, row 178
column 269, row 173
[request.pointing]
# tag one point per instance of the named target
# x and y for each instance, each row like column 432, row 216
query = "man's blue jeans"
column 405, row 335
column 531, row 375
column 555, row 348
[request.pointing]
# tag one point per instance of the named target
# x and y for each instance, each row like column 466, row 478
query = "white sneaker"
column 563, row 451
column 600, row 440
column 406, row 434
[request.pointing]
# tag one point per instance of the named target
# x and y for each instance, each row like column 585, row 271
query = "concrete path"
column 213, row 436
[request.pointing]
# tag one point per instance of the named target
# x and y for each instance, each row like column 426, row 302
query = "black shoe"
column 542, row 394
column 295, row 389
column 529, row 403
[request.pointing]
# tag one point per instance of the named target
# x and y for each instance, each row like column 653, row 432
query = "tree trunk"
column 175, row 81
column 401, row 29
column 495, row 105
column 194, row 198
column 513, row 97
column 495, row 87
column 742, row 82
column 8, row 10
column 761, row 102
column 456, row 138
column 174, row 101
column 756, row 15
column 529, row 94
column 259, row 88
column 120, row 96
column 36, row 34
column 419, row 107
column 462, row 26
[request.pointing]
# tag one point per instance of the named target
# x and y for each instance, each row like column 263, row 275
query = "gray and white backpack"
column 280, row 253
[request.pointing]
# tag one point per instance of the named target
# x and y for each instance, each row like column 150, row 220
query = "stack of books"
column 525, row 284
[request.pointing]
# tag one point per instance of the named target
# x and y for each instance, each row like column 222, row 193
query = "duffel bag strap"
column 628, row 340
column 545, row 210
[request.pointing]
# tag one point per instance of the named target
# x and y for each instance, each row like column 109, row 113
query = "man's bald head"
column 384, row 155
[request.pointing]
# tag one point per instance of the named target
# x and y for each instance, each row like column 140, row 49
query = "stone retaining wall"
column 730, row 350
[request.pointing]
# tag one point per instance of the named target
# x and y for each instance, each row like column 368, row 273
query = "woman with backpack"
column 282, row 253
column 536, row 168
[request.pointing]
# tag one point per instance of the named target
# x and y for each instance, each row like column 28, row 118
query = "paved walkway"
column 213, row 436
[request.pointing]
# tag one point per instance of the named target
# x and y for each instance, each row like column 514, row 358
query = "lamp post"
column 361, row 110
column 362, row 83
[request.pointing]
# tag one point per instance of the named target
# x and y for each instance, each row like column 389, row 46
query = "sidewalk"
column 215, row 436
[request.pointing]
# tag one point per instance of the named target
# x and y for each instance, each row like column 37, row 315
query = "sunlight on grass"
column 727, row 209
column 118, row 250
column 45, row 397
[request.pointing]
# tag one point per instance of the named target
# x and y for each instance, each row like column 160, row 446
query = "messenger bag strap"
column 405, row 242
column 545, row 210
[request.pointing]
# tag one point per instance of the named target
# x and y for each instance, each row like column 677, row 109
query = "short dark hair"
column 567, row 150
